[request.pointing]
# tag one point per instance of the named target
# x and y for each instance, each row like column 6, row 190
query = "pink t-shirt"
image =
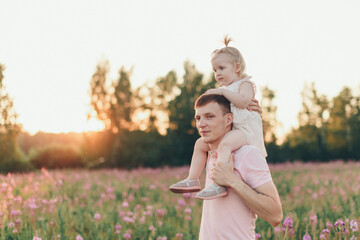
column 228, row 218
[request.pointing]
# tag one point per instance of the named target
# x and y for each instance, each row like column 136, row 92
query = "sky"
column 51, row 48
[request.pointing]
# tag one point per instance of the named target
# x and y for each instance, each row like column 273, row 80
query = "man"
column 251, row 189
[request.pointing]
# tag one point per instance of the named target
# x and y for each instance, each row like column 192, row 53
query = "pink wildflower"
column 122, row 214
column 125, row 204
column 354, row 225
column 179, row 236
column 161, row 238
column 307, row 237
column 187, row 195
column 147, row 213
column 329, row 225
column 339, row 223
column 181, row 202
column 187, row 218
column 160, row 212
column 277, row 230
column 322, row 236
column 36, row 238
column 131, row 197
column 257, row 235
column 78, row 237
column 187, row 210
column 287, row 224
column 313, row 220
column 127, row 235
column 97, row 216
column 142, row 219
column 11, row 225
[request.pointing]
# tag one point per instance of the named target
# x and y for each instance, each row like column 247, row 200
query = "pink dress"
column 250, row 123
column 228, row 218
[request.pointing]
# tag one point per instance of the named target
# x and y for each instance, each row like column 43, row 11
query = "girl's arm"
column 240, row 99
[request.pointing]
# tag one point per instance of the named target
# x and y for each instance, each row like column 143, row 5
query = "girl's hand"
column 217, row 91
column 254, row 106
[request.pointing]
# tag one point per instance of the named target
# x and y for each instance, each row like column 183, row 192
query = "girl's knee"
column 200, row 144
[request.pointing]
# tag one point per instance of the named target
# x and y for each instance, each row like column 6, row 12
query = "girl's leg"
column 192, row 183
column 198, row 159
column 232, row 141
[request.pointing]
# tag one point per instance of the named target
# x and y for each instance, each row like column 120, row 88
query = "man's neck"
column 214, row 145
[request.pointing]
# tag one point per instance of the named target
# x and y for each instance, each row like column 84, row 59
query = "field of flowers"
column 320, row 201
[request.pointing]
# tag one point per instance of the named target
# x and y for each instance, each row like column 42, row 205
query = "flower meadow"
column 320, row 201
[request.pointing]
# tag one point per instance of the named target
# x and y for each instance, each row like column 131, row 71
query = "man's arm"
column 263, row 200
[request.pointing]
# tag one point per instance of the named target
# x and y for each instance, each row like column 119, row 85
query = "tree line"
column 153, row 125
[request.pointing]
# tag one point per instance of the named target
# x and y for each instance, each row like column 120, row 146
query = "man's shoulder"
column 247, row 149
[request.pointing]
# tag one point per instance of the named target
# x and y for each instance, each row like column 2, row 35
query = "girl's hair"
column 234, row 55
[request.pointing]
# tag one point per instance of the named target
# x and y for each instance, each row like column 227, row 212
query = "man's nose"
column 201, row 123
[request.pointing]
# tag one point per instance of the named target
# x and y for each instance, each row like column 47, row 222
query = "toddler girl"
column 229, row 69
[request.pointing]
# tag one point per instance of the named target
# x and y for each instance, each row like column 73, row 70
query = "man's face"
column 211, row 122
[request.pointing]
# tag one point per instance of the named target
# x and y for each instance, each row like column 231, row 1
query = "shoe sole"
column 185, row 190
column 212, row 197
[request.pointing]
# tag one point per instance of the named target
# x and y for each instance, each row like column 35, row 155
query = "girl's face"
column 225, row 71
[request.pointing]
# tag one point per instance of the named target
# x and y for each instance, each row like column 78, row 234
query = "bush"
column 56, row 156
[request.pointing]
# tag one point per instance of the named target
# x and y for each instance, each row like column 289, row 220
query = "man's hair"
column 219, row 99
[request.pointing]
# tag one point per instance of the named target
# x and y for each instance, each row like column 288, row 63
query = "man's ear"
column 229, row 119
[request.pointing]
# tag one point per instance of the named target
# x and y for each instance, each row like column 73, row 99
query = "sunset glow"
column 50, row 58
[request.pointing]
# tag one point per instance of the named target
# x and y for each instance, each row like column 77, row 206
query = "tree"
column 154, row 99
column 11, row 158
column 344, row 125
column 270, row 122
column 308, row 141
column 112, row 103
column 182, row 132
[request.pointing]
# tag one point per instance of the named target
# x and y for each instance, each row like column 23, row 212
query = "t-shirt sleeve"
column 253, row 168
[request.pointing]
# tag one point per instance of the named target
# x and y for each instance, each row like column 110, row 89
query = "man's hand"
column 217, row 91
column 223, row 172
column 254, row 106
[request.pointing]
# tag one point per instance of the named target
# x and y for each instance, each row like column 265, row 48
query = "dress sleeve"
column 247, row 79
column 254, row 169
